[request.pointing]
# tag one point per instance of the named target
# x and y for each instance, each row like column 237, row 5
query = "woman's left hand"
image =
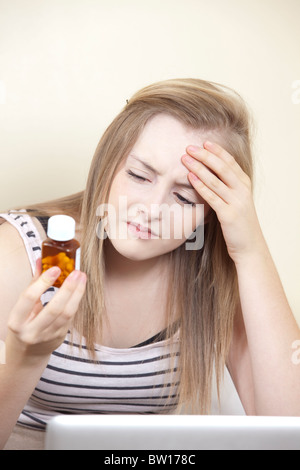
column 221, row 182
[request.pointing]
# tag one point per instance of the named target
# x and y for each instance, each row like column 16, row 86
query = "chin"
column 134, row 250
column 141, row 250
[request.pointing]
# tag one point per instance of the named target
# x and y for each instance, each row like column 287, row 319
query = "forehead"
column 166, row 138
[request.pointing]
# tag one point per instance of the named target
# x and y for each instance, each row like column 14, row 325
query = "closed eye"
column 141, row 178
column 129, row 172
column 186, row 201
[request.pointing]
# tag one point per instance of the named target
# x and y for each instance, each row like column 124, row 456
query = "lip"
column 141, row 229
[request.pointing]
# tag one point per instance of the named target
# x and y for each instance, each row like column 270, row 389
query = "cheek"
column 123, row 194
column 118, row 188
column 178, row 222
column 118, row 198
column 187, row 222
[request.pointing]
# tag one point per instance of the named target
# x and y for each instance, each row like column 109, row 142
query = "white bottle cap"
column 61, row 228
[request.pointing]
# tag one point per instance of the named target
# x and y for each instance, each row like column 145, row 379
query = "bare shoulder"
column 15, row 271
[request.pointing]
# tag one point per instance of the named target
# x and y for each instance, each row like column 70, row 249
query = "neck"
column 120, row 268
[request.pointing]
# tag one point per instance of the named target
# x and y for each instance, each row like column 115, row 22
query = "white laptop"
column 172, row 432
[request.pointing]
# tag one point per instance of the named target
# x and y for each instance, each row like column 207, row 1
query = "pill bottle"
column 60, row 248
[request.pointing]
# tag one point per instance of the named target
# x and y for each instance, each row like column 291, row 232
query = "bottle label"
column 77, row 259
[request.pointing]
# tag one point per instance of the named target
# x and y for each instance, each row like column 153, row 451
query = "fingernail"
column 193, row 177
column 208, row 143
column 83, row 278
column 53, row 272
column 74, row 276
column 193, row 148
column 188, row 159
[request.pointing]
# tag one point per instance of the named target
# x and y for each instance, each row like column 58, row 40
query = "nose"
column 155, row 205
column 149, row 211
column 145, row 213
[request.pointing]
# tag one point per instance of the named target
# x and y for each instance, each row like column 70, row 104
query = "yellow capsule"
column 70, row 266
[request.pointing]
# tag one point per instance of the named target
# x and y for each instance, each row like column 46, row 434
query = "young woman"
column 151, row 320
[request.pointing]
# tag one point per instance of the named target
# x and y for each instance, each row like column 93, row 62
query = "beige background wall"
column 68, row 66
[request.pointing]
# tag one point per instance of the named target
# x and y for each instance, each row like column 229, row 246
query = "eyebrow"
column 150, row 168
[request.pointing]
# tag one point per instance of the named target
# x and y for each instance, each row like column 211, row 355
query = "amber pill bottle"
column 60, row 248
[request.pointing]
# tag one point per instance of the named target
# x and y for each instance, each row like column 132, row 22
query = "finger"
column 38, row 305
column 37, row 271
column 225, row 156
column 213, row 200
column 32, row 294
column 69, row 311
column 61, row 307
column 38, row 268
column 73, row 304
column 215, row 164
column 36, row 310
column 209, row 179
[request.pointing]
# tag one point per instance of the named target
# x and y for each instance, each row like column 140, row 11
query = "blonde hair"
column 203, row 293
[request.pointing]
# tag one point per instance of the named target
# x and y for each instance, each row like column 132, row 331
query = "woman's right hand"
column 34, row 331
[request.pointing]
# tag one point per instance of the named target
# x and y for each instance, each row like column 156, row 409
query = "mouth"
column 140, row 231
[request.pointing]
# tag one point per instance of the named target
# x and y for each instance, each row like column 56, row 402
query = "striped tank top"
column 135, row 380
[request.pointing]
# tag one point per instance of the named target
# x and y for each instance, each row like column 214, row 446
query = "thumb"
column 38, row 269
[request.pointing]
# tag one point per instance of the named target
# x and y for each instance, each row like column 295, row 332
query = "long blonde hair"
column 203, row 293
